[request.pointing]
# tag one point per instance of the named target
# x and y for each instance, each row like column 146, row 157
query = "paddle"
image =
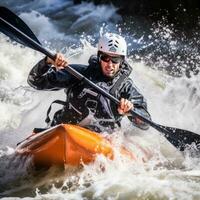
column 10, row 17
column 178, row 137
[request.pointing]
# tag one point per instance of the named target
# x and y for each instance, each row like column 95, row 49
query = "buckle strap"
column 47, row 120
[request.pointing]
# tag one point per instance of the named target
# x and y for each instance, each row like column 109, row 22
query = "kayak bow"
column 66, row 144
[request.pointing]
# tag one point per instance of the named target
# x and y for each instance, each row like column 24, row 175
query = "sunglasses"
column 107, row 58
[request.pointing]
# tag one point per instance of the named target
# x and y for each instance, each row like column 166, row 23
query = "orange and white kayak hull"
column 65, row 145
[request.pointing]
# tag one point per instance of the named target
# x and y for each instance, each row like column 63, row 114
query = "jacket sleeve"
column 130, row 92
column 45, row 77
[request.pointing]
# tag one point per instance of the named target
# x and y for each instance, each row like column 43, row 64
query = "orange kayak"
column 66, row 144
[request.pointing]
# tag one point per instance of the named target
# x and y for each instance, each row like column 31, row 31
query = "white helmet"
column 112, row 43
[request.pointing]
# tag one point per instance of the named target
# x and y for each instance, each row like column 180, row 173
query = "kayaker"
column 84, row 106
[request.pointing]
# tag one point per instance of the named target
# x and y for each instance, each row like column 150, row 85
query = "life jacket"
column 82, row 99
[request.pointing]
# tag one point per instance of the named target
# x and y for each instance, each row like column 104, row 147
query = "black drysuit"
column 83, row 104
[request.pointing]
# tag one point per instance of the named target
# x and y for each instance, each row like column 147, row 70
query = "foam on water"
column 14, row 62
column 41, row 26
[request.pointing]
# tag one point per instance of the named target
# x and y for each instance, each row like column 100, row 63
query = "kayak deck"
column 65, row 144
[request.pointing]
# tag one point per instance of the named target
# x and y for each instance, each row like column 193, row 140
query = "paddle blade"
column 181, row 138
column 14, row 20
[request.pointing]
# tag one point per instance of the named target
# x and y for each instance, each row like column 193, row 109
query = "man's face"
column 110, row 64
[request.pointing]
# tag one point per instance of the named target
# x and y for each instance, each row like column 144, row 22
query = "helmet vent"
column 112, row 43
column 113, row 49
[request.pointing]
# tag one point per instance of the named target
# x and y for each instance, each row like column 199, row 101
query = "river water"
column 162, row 61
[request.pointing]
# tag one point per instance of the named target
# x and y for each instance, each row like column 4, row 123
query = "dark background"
column 185, row 14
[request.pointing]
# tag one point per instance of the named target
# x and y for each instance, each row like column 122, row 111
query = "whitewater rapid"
column 172, row 101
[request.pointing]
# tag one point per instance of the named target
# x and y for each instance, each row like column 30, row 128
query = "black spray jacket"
column 83, row 101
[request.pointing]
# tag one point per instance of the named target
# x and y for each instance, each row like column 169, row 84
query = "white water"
column 171, row 101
